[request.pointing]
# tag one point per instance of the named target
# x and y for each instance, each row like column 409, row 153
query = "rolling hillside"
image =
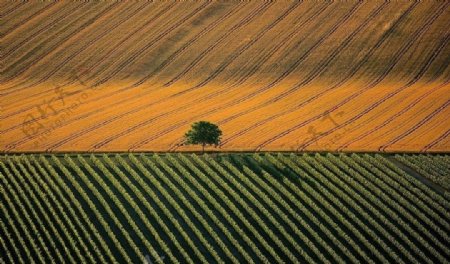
column 283, row 75
column 226, row 208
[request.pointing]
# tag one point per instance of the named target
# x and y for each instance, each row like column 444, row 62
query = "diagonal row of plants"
column 230, row 208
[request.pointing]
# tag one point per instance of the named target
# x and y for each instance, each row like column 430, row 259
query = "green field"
column 224, row 208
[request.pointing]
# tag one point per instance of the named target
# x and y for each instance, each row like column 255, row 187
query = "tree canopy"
column 203, row 133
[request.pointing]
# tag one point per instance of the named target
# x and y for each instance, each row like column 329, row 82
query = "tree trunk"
column 203, row 148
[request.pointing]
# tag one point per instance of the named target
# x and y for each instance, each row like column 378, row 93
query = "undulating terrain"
column 96, row 96
column 224, row 208
column 274, row 75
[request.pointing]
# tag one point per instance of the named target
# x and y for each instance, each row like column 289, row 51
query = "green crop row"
column 227, row 208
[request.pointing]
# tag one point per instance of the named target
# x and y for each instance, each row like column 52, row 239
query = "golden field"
column 284, row 75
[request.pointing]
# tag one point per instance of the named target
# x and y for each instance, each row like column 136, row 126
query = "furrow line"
column 248, row 45
column 436, row 141
column 390, row 95
column 395, row 59
column 47, row 27
column 235, row 101
column 65, row 39
column 95, row 127
column 142, row 50
column 102, row 59
column 185, row 47
column 26, row 20
column 81, row 49
column 389, row 120
column 416, row 126
column 277, row 98
column 237, row 26
column 422, row 71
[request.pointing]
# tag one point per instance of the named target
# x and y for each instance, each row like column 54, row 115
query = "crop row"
column 229, row 208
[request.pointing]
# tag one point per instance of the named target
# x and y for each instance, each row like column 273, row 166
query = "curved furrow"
column 280, row 44
column 396, row 58
column 271, row 52
column 72, row 55
column 162, row 100
column 47, row 27
column 392, row 94
column 351, row 120
column 422, row 71
column 167, row 9
column 237, row 26
column 248, row 45
column 438, row 48
column 260, row 62
column 322, row 66
column 29, row 107
column 56, row 46
column 393, row 130
column 140, row 143
column 322, row 59
column 18, row 112
column 26, row 20
column 375, row 47
column 305, row 55
column 63, row 40
column 185, row 46
column 314, row 72
column 130, row 129
column 436, row 141
column 168, row 130
column 88, row 44
column 12, row 145
column 82, row 132
column 143, row 124
column 416, row 126
column 142, row 50
column 153, row 119
column 215, row 94
column 354, row 70
column 357, row 67
column 390, row 119
column 24, row 82
column 289, row 71
column 117, row 45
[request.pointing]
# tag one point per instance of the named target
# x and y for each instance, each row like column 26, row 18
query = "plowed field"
column 119, row 76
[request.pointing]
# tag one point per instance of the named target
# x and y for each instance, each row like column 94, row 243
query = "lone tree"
column 204, row 133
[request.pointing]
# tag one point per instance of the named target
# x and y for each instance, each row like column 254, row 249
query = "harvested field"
column 288, row 76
